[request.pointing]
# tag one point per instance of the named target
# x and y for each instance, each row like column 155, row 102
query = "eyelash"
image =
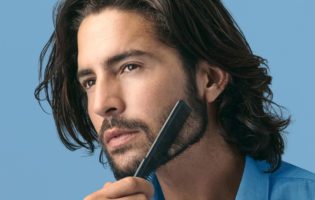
column 86, row 84
column 124, row 67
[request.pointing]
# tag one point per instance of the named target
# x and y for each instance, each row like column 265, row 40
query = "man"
column 116, row 69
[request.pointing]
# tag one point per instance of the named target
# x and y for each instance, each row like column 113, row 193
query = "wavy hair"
column 198, row 30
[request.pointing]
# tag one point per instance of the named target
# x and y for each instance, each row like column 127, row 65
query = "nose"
column 107, row 99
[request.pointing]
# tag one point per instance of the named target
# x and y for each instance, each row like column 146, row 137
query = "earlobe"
column 211, row 81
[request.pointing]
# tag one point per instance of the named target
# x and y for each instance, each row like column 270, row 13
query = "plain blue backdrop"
column 34, row 164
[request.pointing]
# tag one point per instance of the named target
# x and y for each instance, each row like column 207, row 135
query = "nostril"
column 108, row 106
column 111, row 110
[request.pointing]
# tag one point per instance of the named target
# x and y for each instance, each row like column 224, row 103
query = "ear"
column 211, row 81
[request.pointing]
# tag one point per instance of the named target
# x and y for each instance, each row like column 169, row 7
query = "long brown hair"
column 198, row 30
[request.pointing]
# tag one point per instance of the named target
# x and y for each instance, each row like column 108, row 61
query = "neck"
column 209, row 169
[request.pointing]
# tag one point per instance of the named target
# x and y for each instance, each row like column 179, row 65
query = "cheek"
column 141, row 98
column 153, row 97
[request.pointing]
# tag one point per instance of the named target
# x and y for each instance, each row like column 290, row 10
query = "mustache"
column 122, row 123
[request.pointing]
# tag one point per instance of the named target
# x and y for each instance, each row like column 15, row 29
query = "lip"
column 116, row 137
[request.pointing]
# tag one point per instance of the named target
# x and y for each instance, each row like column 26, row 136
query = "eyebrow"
column 127, row 54
column 84, row 72
column 114, row 60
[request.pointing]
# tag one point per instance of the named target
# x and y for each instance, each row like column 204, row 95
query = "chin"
column 127, row 159
column 125, row 164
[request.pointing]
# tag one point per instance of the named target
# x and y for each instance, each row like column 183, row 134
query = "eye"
column 129, row 67
column 87, row 84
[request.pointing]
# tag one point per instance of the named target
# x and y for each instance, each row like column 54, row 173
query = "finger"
column 129, row 186
column 98, row 195
column 135, row 197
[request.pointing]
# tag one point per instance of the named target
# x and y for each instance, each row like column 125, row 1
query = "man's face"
column 132, row 81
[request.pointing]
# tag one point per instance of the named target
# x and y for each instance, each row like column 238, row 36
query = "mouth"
column 115, row 137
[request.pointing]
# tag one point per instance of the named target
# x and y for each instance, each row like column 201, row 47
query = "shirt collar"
column 255, row 181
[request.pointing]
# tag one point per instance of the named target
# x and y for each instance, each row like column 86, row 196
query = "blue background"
column 35, row 165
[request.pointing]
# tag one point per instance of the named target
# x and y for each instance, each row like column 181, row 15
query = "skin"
column 140, row 87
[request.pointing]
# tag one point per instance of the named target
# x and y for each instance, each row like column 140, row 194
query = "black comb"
column 165, row 138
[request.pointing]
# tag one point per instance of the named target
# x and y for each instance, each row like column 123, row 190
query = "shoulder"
column 289, row 171
column 292, row 182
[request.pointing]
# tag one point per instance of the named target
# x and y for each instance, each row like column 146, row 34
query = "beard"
column 191, row 132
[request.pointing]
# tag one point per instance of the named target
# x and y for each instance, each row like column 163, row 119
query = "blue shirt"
column 287, row 183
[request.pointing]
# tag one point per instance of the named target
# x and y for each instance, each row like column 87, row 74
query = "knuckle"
column 131, row 182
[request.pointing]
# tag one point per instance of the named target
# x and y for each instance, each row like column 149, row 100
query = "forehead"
column 112, row 31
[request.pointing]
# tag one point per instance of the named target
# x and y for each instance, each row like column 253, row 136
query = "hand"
column 130, row 188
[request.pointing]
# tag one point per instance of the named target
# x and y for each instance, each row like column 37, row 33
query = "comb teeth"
column 149, row 177
column 165, row 138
